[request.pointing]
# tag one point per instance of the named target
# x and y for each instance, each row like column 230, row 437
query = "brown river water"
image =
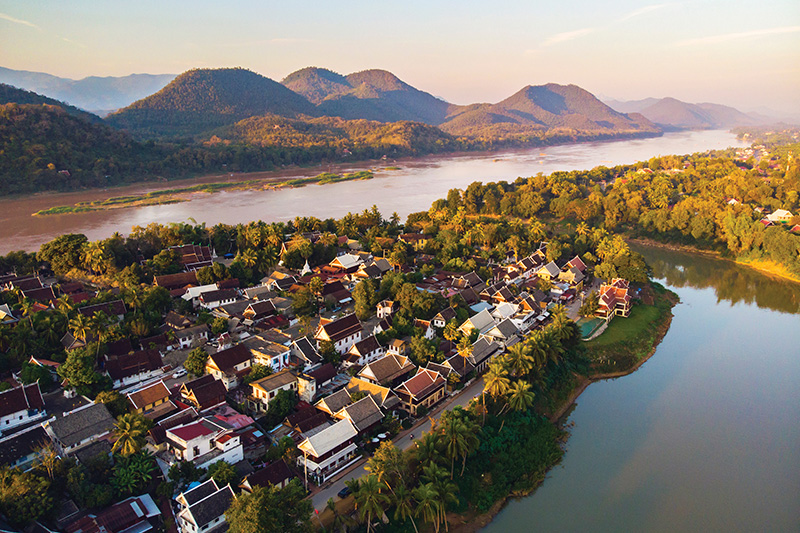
column 412, row 188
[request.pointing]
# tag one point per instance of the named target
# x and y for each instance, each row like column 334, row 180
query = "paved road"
column 403, row 441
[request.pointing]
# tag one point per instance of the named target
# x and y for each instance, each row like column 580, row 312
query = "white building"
column 204, row 442
column 327, row 452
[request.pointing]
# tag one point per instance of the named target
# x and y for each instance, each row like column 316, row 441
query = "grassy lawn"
column 623, row 329
column 627, row 341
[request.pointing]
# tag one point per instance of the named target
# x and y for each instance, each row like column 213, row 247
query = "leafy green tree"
column 223, row 473
column 219, row 325
column 184, row 472
column 117, row 403
column 79, row 371
column 64, row 253
column 32, row 373
column 257, row 372
column 271, row 509
column 24, row 497
column 364, row 297
column 195, row 362
column 132, row 473
column 590, row 306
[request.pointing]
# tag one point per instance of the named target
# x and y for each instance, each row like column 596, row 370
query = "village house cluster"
column 341, row 408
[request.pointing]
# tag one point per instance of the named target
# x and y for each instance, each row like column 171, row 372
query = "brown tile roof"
column 363, row 414
column 341, row 328
column 423, row 384
column 153, row 393
column 388, row 368
column 21, row 399
column 323, row 374
column 176, row 281
column 383, row 396
column 135, row 363
column 334, row 403
column 274, row 381
column 117, row 307
column 206, row 390
column 229, row 358
column 273, row 474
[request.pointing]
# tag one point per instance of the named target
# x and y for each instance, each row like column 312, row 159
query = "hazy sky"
column 745, row 54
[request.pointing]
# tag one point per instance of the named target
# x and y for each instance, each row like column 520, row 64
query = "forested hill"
column 13, row 95
column 370, row 94
column 203, row 99
column 44, row 147
column 365, row 137
column 545, row 108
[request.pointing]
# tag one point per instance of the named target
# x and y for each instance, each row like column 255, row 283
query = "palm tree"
column 129, row 430
column 521, row 397
column 445, row 489
column 248, row 258
column 81, row 327
column 64, row 305
column 582, row 229
column 370, row 499
column 519, row 359
column 27, row 310
column 404, row 505
column 536, row 230
column 459, row 439
column 428, row 448
column 495, row 381
column 428, row 504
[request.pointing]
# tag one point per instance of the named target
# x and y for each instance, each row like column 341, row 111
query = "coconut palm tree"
column 370, row 499
column 129, row 431
column 460, row 440
column 427, row 448
column 495, row 381
column 81, row 327
column 248, row 258
column 520, row 396
column 404, row 505
column 428, row 504
column 519, row 359
column 445, row 489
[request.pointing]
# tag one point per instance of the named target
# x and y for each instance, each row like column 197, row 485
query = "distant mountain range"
column 199, row 101
column 98, row 95
column 673, row 114
column 13, row 95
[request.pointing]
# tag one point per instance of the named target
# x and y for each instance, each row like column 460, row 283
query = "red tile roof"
column 192, row 431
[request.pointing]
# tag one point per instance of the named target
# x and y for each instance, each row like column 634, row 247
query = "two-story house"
column 204, row 442
column 343, row 332
column 363, row 352
column 203, row 508
column 328, row 451
column 20, row 406
column 268, row 353
column 265, row 389
column 229, row 365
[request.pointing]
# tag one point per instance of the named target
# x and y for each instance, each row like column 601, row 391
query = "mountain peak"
column 209, row 98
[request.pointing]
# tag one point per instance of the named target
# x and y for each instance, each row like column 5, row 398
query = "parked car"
column 179, row 373
column 345, row 492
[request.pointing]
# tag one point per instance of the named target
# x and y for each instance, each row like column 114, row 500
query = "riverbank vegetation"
column 628, row 341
